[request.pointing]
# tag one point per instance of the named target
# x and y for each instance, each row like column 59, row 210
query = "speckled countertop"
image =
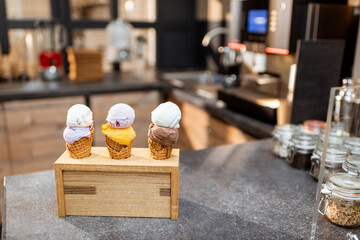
column 227, row 192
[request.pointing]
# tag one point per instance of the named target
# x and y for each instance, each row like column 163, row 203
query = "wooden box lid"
column 99, row 160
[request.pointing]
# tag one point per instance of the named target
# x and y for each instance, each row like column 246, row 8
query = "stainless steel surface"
column 203, row 83
column 181, row 78
column 263, row 83
column 356, row 66
column 261, row 79
column 235, row 25
column 280, row 14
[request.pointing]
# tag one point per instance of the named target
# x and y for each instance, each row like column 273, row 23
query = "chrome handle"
column 314, row 164
column 326, row 201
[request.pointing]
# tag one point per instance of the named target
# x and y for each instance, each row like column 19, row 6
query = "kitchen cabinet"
column 4, row 153
column 34, row 132
column 5, row 167
column 199, row 130
column 143, row 104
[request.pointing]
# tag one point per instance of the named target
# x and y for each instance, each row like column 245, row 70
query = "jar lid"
column 352, row 164
column 333, row 155
column 313, row 126
column 343, row 185
column 352, row 144
column 304, row 140
column 336, row 135
column 285, row 131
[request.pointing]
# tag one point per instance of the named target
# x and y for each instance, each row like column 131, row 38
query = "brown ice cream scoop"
column 163, row 135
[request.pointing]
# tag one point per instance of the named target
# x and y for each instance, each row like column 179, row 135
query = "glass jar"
column 281, row 137
column 340, row 201
column 301, row 148
column 335, row 138
column 335, row 157
column 352, row 144
column 352, row 164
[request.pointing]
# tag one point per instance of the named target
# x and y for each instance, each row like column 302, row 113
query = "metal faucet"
column 227, row 57
column 216, row 31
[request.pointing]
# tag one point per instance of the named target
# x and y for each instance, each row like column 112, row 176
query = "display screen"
column 257, row 21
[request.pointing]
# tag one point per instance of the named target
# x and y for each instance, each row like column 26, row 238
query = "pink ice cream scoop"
column 120, row 116
column 73, row 134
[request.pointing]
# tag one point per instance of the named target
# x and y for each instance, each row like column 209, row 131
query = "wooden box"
column 135, row 187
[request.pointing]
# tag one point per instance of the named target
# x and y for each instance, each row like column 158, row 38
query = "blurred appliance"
column 118, row 41
column 311, row 91
column 51, row 38
column 289, row 21
column 257, row 24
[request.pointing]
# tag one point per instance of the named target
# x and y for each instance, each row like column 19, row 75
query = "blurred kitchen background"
column 236, row 68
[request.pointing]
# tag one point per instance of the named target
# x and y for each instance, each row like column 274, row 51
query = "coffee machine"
column 295, row 52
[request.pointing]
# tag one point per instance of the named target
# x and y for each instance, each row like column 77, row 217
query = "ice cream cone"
column 158, row 151
column 116, row 150
column 82, row 147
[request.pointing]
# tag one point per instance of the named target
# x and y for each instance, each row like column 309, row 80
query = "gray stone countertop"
column 226, row 192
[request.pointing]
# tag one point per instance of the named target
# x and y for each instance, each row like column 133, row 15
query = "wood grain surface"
column 99, row 160
column 118, row 194
column 134, row 187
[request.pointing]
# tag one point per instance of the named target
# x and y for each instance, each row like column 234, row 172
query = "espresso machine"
column 295, row 52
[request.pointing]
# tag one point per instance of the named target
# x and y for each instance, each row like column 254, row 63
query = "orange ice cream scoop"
column 123, row 136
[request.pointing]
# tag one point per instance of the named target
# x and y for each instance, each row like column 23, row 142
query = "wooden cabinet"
column 35, row 132
column 5, row 166
column 220, row 132
column 143, row 104
column 199, row 130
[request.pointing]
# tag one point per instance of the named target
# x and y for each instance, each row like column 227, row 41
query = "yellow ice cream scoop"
column 122, row 136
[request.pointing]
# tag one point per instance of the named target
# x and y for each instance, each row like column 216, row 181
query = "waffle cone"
column 82, row 147
column 116, row 150
column 158, row 151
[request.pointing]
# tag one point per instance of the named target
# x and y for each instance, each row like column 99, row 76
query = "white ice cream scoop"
column 79, row 115
column 121, row 115
column 166, row 115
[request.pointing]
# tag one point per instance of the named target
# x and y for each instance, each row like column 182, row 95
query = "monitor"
column 257, row 21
